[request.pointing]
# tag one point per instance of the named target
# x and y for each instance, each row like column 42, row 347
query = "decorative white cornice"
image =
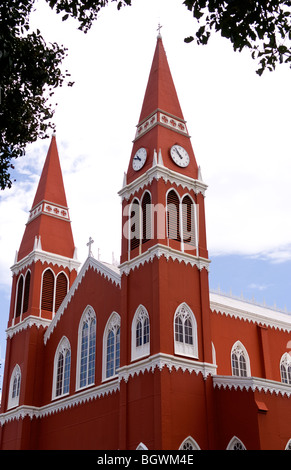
column 250, row 312
column 251, row 383
column 61, row 404
column 163, row 118
column 28, row 322
column 158, row 251
column 160, row 361
column 110, row 272
column 157, row 172
column 51, row 209
column 45, row 257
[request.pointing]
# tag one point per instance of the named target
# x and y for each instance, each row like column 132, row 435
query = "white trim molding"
column 162, row 360
column 158, row 251
column 251, row 383
column 157, row 172
column 110, row 272
column 45, row 257
column 28, row 322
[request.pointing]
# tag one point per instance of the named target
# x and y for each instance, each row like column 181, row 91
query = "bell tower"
column 164, row 267
column 44, row 269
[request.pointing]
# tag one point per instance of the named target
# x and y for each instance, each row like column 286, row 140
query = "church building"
column 139, row 356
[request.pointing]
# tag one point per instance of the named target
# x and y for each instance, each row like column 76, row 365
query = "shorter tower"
column 44, row 269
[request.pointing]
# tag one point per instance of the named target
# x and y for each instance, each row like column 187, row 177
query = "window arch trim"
column 111, row 351
column 140, row 345
column 189, row 444
column 62, row 369
column 185, row 332
column 14, row 387
column 241, row 366
column 285, row 368
column 86, row 359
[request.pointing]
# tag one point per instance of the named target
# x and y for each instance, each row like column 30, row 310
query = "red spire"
column 161, row 123
column 48, row 227
column 51, row 186
column 160, row 93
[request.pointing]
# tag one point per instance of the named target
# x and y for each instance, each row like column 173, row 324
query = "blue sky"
column 240, row 130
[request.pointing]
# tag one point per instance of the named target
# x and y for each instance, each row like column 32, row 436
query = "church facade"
column 139, row 356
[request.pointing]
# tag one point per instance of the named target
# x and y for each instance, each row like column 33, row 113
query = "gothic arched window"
column 173, row 215
column 235, row 444
column 285, row 368
column 240, row 363
column 111, row 346
column 62, row 368
column 189, row 444
column 19, row 297
column 188, row 221
column 185, row 332
column 61, row 289
column 47, row 296
column 146, row 217
column 14, row 387
column 86, row 348
column 135, row 221
column 140, row 333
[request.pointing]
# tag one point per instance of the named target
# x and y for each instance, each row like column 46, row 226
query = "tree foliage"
column 30, row 69
column 263, row 26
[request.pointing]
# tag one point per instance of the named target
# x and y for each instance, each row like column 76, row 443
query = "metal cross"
column 89, row 244
column 159, row 29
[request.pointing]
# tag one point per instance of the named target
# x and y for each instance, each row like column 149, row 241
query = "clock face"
column 180, row 156
column 139, row 159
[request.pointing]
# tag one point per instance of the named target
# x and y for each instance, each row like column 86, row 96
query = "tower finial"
column 159, row 36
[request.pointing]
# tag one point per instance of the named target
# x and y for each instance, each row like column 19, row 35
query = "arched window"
column 173, row 216
column 47, row 297
column 61, row 289
column 140, row 334
column 62, row 367
column 14, row 387
column 111, row 347
column 185, row 332
column 240, row 363
column 135, row 234
column 288, row 445
column 189, row 444
column 86, row 349
column 188, row 221
column 235, row 444
column 146, row 217
column 285, row 368
column 19, row 297
column 26, row 292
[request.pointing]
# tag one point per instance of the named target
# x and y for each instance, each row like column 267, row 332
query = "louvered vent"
column 26, row 292
column 173, row 216
column 61, row 290
column 47, row 291
column 19, row 296
column 146, row 218
column 188, row 221
column 135, row 225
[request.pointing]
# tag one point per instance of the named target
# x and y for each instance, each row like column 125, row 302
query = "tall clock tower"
column 164, row 272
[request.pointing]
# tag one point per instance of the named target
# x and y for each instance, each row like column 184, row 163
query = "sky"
column 240, row 131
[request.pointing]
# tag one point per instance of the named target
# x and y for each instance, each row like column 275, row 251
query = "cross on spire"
column 159, row 30
column 89, row 244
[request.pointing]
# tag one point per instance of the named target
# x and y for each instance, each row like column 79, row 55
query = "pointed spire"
column 51, row 186
column 161, row 92
column 48, row 227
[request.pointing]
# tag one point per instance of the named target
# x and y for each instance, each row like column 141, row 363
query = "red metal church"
column 141, row 356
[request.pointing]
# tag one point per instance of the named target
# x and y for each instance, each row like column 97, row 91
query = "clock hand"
column 137, row 158
column 178, row 153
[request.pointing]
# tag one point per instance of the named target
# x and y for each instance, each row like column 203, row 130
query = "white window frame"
column 87, row 316
column 182, row 347
column 113, row 324
column 235, row 442
column 63, row 346
column 239, row 349
column 189, row 444
column 137, row 352
column 13, row 401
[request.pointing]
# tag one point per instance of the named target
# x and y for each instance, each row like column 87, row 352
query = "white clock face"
column 139, row 159
column 180, row 156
